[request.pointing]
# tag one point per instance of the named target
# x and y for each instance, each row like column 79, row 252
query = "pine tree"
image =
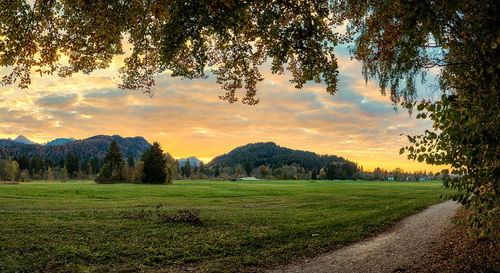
column 130, row 161
column 24, row 163
column 155, row 165
column 217, row 171
column 187, row 168
column 72, row 164
column 94, row 162
column 111, row 171
column 248, row 168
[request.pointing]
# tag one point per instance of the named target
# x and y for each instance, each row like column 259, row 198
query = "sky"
column 188, row 119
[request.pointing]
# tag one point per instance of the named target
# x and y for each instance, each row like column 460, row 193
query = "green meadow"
column 211, row 226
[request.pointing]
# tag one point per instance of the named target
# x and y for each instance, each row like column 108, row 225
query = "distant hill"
column 193, row 161
column 23, row 140
column 85, row 149
column 60, row 141
column 274, row 156
column 9, row 143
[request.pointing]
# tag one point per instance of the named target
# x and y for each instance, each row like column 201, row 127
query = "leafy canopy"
column 231, row 38
column 398, row 41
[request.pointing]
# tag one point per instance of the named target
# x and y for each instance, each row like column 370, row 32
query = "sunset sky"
column 187, row 118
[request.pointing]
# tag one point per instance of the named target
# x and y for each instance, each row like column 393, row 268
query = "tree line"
column 157, row 167
column 260, row 160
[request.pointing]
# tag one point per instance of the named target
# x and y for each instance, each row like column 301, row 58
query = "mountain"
column 9, row 143
column 60, row 141
column 85, row 149
column 23, row 140
column 274, row 156
column 193, row 161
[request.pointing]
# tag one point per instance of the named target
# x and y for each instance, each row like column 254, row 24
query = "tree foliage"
column 9, row 169
column 398, row 41
column 131, row 161
column 461, row 39
column 155, row 165
column 113, row 164
column 186, row 169
column 231, row 38
column 63, row 175
column 72, row 164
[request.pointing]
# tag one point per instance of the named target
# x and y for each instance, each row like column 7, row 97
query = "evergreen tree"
column 72, row 164
column 111, row 171
column 94, row 163
column 37, row 167
column 49, row 162
column 217, row 171
column 248, row 168
column 187, row 169
column 84, row 166
column 155, row 165
column 24, row 163
column 130, row 161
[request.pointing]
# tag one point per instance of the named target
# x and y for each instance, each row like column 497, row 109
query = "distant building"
column 390, row 177
column 247, row 179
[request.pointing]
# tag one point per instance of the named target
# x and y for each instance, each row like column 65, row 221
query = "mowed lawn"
column 81, row 226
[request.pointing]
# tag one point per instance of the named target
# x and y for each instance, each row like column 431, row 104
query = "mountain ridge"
column 84, row 149
column 193, row 161
column 24, row 140
column 60, row 141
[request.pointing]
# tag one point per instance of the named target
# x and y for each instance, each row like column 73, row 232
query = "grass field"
column 80, row 226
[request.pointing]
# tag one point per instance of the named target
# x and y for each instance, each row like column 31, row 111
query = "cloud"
column 57, row 101
column 187, row 117
column 105, row 93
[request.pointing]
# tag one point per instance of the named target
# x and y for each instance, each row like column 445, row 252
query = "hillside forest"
column 113, row 159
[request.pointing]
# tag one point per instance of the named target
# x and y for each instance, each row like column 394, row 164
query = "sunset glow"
column 188, row 119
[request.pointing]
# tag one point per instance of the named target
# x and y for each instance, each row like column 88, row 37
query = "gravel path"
column 405, row 243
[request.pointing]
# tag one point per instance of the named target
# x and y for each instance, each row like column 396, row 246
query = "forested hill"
column 274, row 156
column 84, row 149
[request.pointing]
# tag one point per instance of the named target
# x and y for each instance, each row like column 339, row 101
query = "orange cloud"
column 187, row 117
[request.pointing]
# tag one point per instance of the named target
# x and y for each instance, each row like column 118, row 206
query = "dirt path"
column 405, row 243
